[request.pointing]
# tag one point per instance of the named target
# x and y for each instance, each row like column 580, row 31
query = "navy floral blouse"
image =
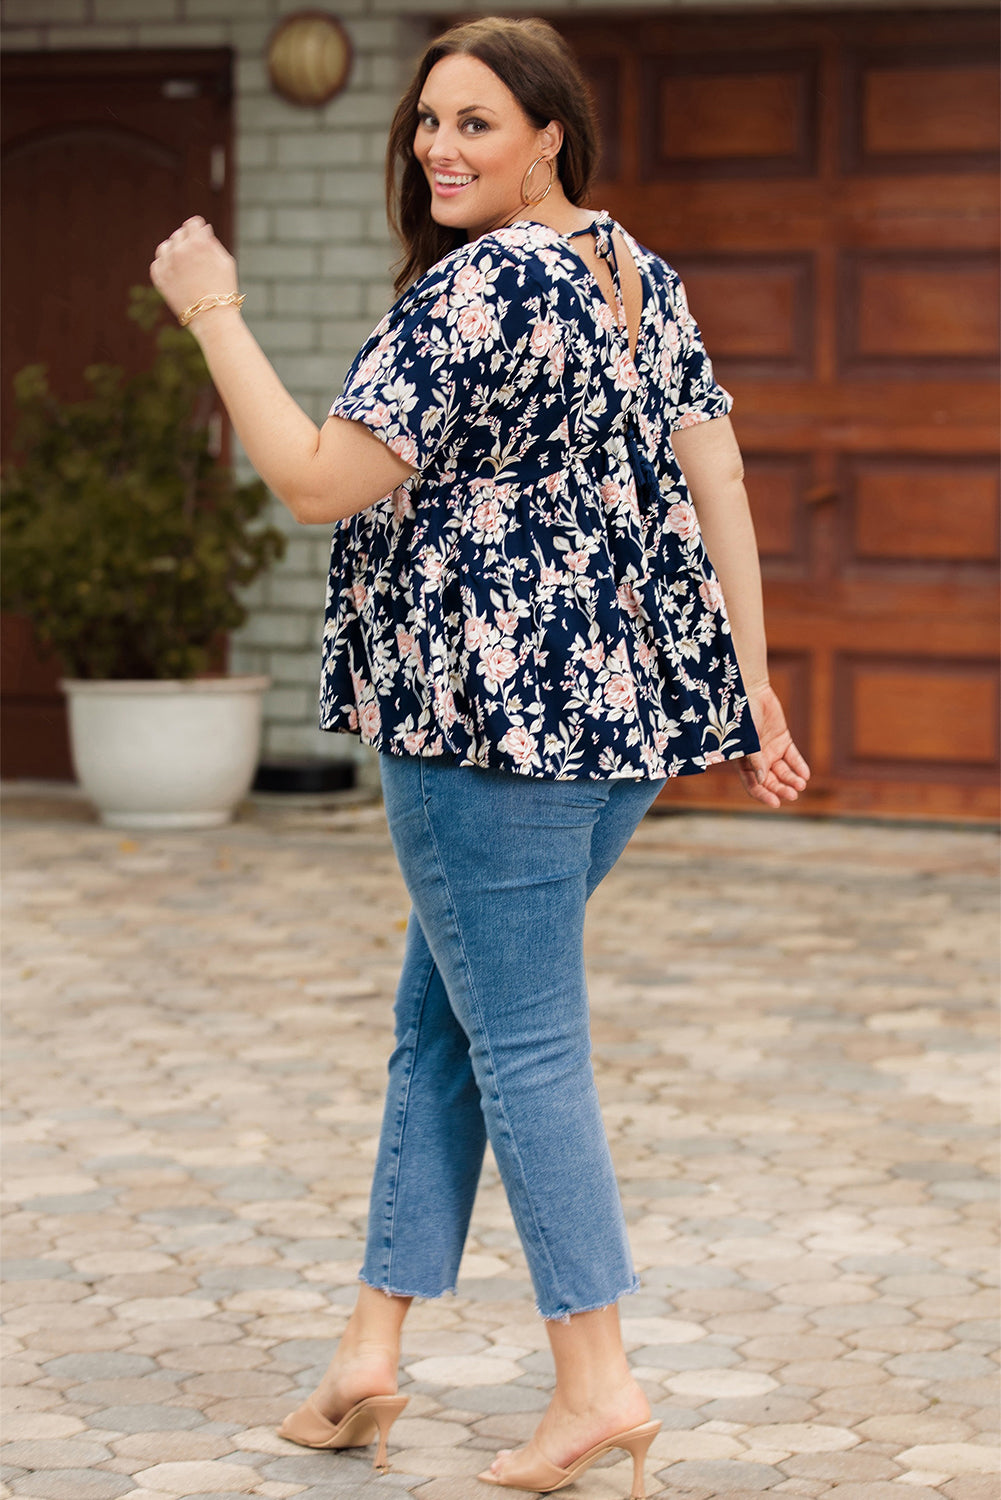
column 537, row 599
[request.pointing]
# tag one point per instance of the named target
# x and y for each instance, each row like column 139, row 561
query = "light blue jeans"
column 492, row 1030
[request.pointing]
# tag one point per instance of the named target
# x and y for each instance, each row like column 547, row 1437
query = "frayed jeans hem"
column 566, row 1313
column 394, row 1291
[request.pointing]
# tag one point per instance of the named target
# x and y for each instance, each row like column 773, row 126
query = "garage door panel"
column 914, row 716
column 900, row 313
column 729, row 115
column 925, row 111
column 755, row 311
column 920, row 508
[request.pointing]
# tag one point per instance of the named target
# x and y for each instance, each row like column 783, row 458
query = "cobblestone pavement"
column 793, row 1029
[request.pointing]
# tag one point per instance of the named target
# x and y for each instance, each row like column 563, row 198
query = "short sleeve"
column 695, row 395
column 455, row 344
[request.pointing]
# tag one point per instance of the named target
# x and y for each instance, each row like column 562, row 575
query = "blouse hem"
column 506, row 763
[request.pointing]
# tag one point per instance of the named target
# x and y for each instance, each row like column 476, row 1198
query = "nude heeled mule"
column 540, row 1475
column 356, row 1429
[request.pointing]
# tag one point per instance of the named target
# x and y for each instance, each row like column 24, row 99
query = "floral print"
column 537, row 599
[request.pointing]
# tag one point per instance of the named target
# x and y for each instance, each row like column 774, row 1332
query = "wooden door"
column 103, row 155
column 827, row 187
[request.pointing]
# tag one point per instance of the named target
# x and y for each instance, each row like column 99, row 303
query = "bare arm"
column 321, row 473
column 712, row 466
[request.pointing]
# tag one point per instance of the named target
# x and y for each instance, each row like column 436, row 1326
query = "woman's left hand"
column 777, row 772
column 192, row 264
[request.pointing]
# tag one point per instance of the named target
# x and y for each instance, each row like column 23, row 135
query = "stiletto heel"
column 538, row 1474
column 639, row 1447
column 356, row 1429
column 385, row 1415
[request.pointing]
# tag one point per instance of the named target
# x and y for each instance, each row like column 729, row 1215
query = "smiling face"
column 475, row 143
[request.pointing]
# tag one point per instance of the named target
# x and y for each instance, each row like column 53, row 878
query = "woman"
column 529, row 631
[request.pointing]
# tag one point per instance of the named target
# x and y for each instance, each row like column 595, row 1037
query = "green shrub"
column 124, row 540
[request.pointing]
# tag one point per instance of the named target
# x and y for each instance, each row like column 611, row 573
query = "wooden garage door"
column 826, row 185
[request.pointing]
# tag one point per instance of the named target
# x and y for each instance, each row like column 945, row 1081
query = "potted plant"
column 126, row 541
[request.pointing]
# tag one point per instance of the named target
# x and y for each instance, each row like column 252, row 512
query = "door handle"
column 821, row 494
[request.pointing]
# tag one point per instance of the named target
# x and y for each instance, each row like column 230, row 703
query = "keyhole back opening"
column 617, row 278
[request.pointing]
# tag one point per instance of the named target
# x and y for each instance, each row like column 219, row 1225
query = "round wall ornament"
column 309, row 57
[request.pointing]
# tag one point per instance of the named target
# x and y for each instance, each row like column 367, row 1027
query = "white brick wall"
column 312, row 242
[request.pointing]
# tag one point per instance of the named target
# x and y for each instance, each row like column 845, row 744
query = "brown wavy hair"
column 535, row 63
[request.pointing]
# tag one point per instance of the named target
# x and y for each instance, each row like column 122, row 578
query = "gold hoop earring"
column 532, row 202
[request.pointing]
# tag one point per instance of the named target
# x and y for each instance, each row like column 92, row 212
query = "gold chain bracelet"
column 213, row 299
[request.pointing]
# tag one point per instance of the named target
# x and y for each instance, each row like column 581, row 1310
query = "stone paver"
column 794, row 1035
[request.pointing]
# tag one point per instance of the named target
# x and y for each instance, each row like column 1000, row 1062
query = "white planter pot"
column 166, row 754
